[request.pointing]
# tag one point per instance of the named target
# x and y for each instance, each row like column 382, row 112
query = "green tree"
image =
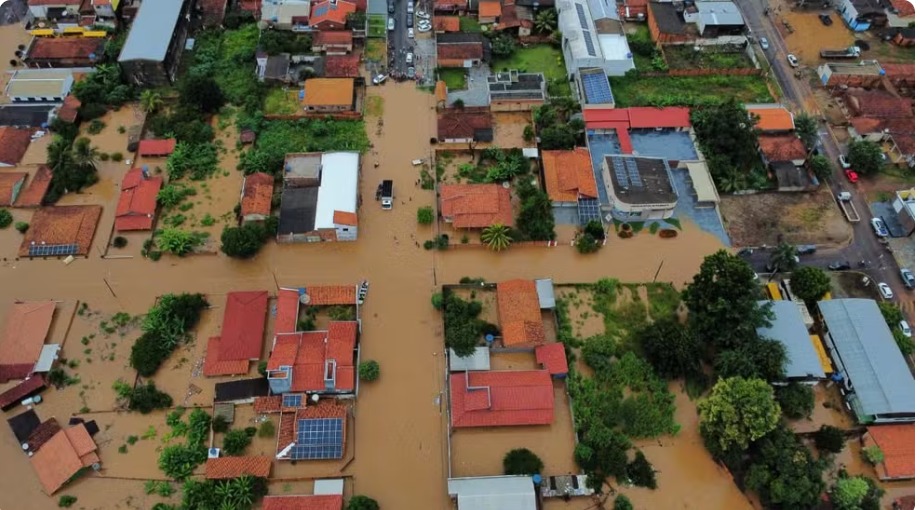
column 783, row 258
column 369, row 371
column 67, row 501
column 821, row 166
column 755, row 358
column 503, row 45
column 236, row 441
column 545, row 21
column 586, row 243
column 622, row 503
column 201, row 92
column 151, row 101
column 727, row 130
column 723, row 301
column 242, row 242
column 521, row 461
column 874, row 455
column 866, row 157
column 535, row 219
column 783, row 472
column 810, row 284
column 22, row 227
column 737, row 412
column 461, row 324
column 220, row 424
column 84, row 155
column 641, row 473
column 528, row 133
column 425, row 215
column 6, row 218
column 178, row 242
column 849, row 493
column 670, row 348
column 796, row 400
column 360, row 502
column 829, row 439
column 891, row 313
column 497, row 237
column 806, row 127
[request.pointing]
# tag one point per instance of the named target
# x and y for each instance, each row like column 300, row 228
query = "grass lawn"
column 375, row 50
column 641, row 35
column 281, row 102
column 454, row 78
column 376, row 25
column 540, row 58
column 688, row 90
column 469, row 25
column 685, row 57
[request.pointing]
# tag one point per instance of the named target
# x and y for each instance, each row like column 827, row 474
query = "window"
column 345, row 229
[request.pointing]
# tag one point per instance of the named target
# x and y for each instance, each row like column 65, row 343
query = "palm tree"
column 83, row 154
column 807, row 128
column 783, row 258
column 496, row 237
column 151, row 101
column 108, row 73
column 59, row 155
column 545, row 21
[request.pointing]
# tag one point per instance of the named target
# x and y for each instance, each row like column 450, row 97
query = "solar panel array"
column 291, row 400
column 619, row 170
column 633, row 170
column 319, row 438
column 588, row 209
column 581, row 16
column 597, row 88
column 320, row 10
column 627, row 173
column 589, row 43
column 53, row 250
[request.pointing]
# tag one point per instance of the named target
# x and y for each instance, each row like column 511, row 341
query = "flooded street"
column 400, row 420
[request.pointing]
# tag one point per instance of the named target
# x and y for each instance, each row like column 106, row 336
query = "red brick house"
column 331, row 14
column 332, row 43
column 501, row 398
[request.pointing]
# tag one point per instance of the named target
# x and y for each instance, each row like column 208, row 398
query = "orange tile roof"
column 332, row 38
column 307, row 353
column 223, row 468
column 569, row 175
column 258, row 189
column 490, row 9
column 80, row 440
column 34, row 193
column 10, row 183
column 440, row 91
column 782, row 148
column 214, row 366
column 328, row 92
column 897, row 443
column 156, row 148
column 476, row 205
column 519, row 313
column 13, row 144
column 27, row 326
column 331, row 12
column 446, row 24
column 342, row 66
column 69, row 109
column 243, row 329
column 60, row 459
column 326, row 295
column 287, row 307
column 315, row 502
column 552, row 358
column 265, row 405
column 501, row 398
column 344, row 218
column 32, row 385
column 905, row 9
column 137, row 203
column 773, row 119
column 63, row 224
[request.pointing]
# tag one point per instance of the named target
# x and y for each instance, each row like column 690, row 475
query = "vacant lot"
column 688, row 90
column 281, row 101
column 799, row 218
column 706, row 57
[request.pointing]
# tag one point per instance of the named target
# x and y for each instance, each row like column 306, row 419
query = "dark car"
column 826, row 20
column 839, row 266
column 806, row 249
column 391, row 8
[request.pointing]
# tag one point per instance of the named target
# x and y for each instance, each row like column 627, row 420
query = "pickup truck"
column 386, row 194
column 851, row 52
column 845, row 199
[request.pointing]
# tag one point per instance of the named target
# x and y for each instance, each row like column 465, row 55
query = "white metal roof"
column 152, row 31
column 703, row 186
column 545, row 293
column 46, row 358
column 614, row 46
column 41, row 82
column 719, row 13
column 493, row 493
column 788, row 328
column 580, row 35
column 338, row 189
column 332, row 486
column 479, row 360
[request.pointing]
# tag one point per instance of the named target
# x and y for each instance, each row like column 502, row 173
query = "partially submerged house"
column 639, row 188
column 34, row 193
column 256, row 197
column 289, row 301
column 241, row 335
column 898, row 444
column 775, row 149
column 14, row 142
column 504, row 492
column 803, row 363
column 328, row 95
column 320, row 197
column 475, row 205
column 551, row 357
column 568, row 176
column 501, row 398
column 861, row 15
column 151, row 53
column 312, row 502
column 63, row 457
column 137, row 204
column 593, row 37
column 11, row 184
column 465, row 125
column 314, row 432
column 151, row 148
column 865, row 74
column 39, row 85
column 22, row 345
column 519, row 313
column 315, row 361
column 61, row 231
column 228, row 468
column 51, row 52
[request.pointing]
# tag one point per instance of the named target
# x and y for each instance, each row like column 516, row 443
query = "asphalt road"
column 399, row 42
column 864, row 245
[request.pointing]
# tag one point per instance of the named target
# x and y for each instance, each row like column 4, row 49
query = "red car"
column 852, row 176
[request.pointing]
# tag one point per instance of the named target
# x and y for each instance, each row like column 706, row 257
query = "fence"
column 704, row 72
column 540, row 244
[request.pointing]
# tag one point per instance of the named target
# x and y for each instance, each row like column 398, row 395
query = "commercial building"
column 803, row 364
column 700, row 22
column 493, row 492
column 320, row 198
column 593, row 37
column 150, row 56
column 639, row 188
column 41, row 85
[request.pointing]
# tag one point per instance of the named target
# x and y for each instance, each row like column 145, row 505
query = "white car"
column 764, row 43
column 424, row 27
column 410, row 58
column 380, row 78
column 423, row 15
column 391, row 24
column 410, row 33
column 905, row 329
column 885, row 290
column 844, row 161
column 410, row 9
column 794, row 62
column 879, row 227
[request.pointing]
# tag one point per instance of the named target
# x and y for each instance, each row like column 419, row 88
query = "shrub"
column 146, row 397
column 119, row 242
column 362, row 503
column 220, row 424
column 104, row 156
column 622, row 503
column 796, row 400
column 178, row 461
column 165, row 327
column 521, row 461
column 66, row 501
column 117, row 156
column 243, row 242
column 641, row 473
column 236, row 441
column 95, row 127
column 587, row 243
column 437, row 300
column 267, row 429
column 425, row 215
column 369, row 370
column 6, row 218
column 263, row 368
column 22, row 227
column 829, row 439
column 874, row 455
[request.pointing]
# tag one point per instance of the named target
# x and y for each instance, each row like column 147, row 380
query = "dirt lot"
column 796, row 218
column 849, row 284
column 810, row 35
column 509, row 129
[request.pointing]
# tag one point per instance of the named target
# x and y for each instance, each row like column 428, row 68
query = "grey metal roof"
column 870, row 357
column 719, row 13
column 545, row 293
column 479, row 360
column 377, row 7
column 152, row 31
column 298, row 210
column 802, row 360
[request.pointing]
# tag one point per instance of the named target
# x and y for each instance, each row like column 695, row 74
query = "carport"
column 703, row 188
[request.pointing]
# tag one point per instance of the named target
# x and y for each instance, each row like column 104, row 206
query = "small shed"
column 47, row 358
column 23, row 425
column 330, row 486
column 479, row 360
column 247, row 136
column 545, row 293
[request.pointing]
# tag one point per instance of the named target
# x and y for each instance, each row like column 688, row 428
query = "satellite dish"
column 305, row 299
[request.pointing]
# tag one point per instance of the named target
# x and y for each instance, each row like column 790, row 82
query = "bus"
column 43, row 32
column 773, row 292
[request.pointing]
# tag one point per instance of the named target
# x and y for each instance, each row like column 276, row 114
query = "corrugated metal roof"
column 479, row 360
column 703, row 186
column 47, row 357
column 152, row 31
column 493, row 493
column 802, row 360
column 545, row 293
column 871, row 359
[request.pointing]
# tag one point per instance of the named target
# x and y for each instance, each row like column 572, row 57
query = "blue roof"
column 788, row 328
column 319, row 438
column 597, row 88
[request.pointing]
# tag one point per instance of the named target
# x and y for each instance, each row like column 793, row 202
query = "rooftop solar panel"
column 588, row 209
column 619, row 170
column 633, row 172
column 321, row 10
column 581, row 16
column 319, row 439
column 597, row 88
column 291, row 400
column 589, row 43
column 53, row 250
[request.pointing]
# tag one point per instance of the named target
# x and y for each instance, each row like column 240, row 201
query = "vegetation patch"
column 278, row 138
column 454, row 78
column 164, row 328
column 279, row 101
column 538, row 58
column 687, row 56
column 638, row 90
column 179, row 460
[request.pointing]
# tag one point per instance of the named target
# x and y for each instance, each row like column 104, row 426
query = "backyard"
column 455, row 78
column 706, row 57
column 281, row 102
column 539, row 58
column 688, row 90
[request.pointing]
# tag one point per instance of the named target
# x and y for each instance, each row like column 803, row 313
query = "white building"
column 493, row 493
column 280, row 14
column 41, row 85
column 326, row 210
column 592, row 36
column 44, row 9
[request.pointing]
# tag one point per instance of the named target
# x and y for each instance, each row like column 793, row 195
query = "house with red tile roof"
column 332, row 43
column 225, row 468
column 315, row 432
column 69, row 109
column 27, row 326
column 342, row 66
column 897, row 443
column 475, row 205
column 901, row 14
column 772, row 118
column 13, row 145
column 451, row 6
column 466, row 125
column 34, row 193
column 241, row 335
column 775, row 149
column 60, row 231
column 13, row 396
column 516, row 16
column 314, row 502
column 63, row 457
column 11, row 184
column 568, row 175
column 461, row 50
column 444, row 24
column 289, row 301
column 156, row 148
column 44, row 52
column 501, row 398
column 331, row 14
column 212, row 12
column 489, row 11
column 551, row 357
column 137, row 204
column 519, row 315
column 315, row 361
column 872, row 111
column 256, row 197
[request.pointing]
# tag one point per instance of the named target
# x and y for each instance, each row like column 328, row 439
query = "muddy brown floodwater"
column 400, row 421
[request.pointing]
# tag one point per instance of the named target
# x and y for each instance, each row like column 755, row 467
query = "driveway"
column 477, row 88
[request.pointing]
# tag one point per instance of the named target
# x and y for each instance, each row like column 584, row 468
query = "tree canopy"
column 756, row 358
column 806, row 127
column 737, row 412
column 810, row 284
column 783, row 258
column 462, row 327
column 670, row 348
column 726, row 135
column 821, row 166
column 521, row 461
column 865, row 157
column 360, row 502
column 535, row 219
column 202, row 92
column 829, row 439
column 796, row 400
column 784, row 473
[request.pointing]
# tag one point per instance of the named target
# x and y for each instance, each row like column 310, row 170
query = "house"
column 551, row 357
column 903, row 37
column 40, row 85
column 328, row 95
column 900, row 14
column 137, row 204
column 505, row 492
column 342, row 66
column 475, row 205
column 515, row 17
column 63, row 457
column 331, row 14
column 241, row 335
column 156, row 148
column 256, row 197
column 23, row 425
column 228, row 468
column 444, row 24
column 151, row 53
column 289, row 300
column 280, row 14
column 54, row 9
column 863, row 74
column 315, row 432
column 314, row 502
column 14, row 142
column 900, row 75
column 883, row 117
column 640, row 188
column 514, row 91
column 451, row 6
column 30, row 386
column 61, row 231
column 479, row 360
column 861, row 15
column 666, row 24
column 782, row 148
column 35, row 191
column 44, row 52
column 789, row 177
column 904, row 204
column 314, row 361
column 716, row 18
column 878, row 104
column 593, row 89
column 803, row 364
column 897, row 443
column 878, row 384
column 462, row 50
column 593, row 37
column 27, row 326
column 633, row 10
column 319, row 201
column 11, row 184
column 466, row 125
column 771, row 118
column 568, row 176
column 332, row 43
column 241, row 391
column 273, row 67
column 501, row 398
column 519, row 314
column 489, row 11
column 212, row 12
column 70, row 109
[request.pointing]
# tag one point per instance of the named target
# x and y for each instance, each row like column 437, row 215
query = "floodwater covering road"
column 399, row 442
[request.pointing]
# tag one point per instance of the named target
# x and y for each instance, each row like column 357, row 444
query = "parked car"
column 826, row 20
column 908, row 277
column 844, row 161
column 806, row 249
column 885, row 290
column 764, row 43
column 409, row 21
column 410, row 9
column 410, row 71
column 839, row 266
column 424, row 26
column 391, row 8
column 879, row 227
column 905, row 329
column 410, row 58
column 794, row 62
column 380, row 78
column 391, row 24
column 423, row 15
column 851, row 176
column 410, row 33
